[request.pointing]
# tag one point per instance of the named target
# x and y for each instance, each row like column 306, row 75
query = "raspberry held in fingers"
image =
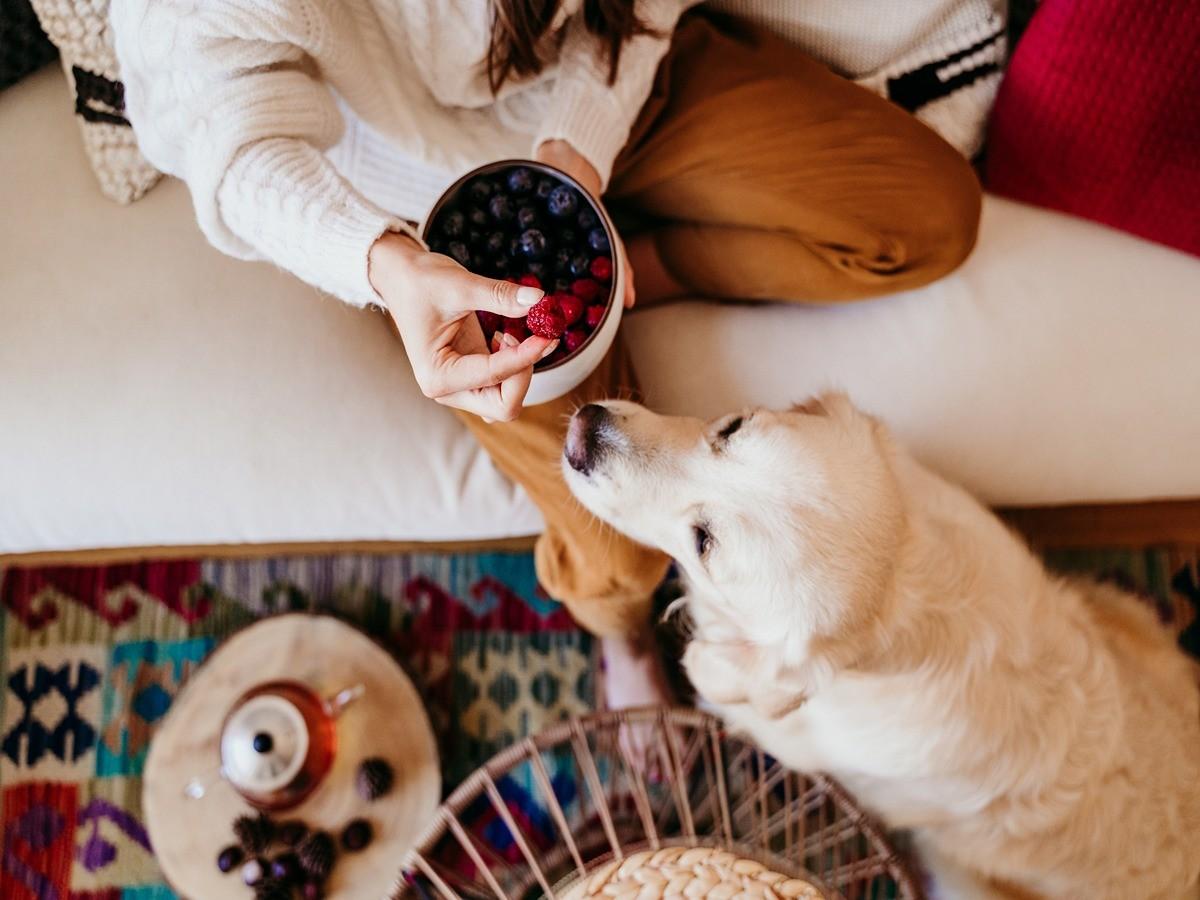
column 546, row 319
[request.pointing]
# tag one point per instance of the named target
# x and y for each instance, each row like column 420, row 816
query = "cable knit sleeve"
column 586, row 111
column 221, row 94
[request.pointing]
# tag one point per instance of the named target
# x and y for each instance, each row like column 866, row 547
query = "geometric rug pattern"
column 91, row 658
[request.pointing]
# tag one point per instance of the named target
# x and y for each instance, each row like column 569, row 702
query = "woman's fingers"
column 499, row 403
column 454, row 372
column 502, row 297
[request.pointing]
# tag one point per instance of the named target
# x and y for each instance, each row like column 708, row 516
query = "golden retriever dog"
column 856, row 614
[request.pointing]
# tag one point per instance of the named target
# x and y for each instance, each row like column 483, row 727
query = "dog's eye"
column 703, row 540
column 729, row 428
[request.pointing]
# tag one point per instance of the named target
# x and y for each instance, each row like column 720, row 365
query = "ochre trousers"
column 760, row 175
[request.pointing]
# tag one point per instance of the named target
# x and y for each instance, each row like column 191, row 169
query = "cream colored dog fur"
column 856, row 614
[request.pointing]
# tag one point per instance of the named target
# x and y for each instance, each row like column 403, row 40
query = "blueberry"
column 229, row 858
column 580, row 265
column 500, row 264
column 254, row 871
column 496, row 242
column 479, row 191
column 544, row 187
column 357, row 835
column 458, row 251
column 514, row 246
column 477, row 262
column 587, row 218
column 477, row 216
column 598, row 240
column 537, row 270
column 562, row 259
column 474, row 237
column 563, row 201
column 567, row 237
column 526, row 217
column 562, row 285
column 501, row 208
column 453, row 223
column 520, row 181
column 533, row 243
column 285, row 867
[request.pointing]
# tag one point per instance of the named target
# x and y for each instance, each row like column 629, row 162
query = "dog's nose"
column 583, row 444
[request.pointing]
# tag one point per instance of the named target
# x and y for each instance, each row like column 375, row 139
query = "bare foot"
column 633, row 677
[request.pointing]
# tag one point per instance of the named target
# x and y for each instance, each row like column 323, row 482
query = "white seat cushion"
column 154, row 392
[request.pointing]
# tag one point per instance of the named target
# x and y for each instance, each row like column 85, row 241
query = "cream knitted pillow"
column 79, row 28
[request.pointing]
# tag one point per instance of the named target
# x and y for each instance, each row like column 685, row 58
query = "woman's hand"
column 563, row 156
column 432, row 300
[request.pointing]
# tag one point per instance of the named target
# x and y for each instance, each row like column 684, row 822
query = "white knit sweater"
column 307, row 128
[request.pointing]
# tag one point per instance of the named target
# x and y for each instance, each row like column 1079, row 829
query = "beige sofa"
column 155, row 393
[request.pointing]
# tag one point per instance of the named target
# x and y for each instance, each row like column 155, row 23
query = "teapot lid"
column 264, row 744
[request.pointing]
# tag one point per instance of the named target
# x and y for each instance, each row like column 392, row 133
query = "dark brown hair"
column 518, row 27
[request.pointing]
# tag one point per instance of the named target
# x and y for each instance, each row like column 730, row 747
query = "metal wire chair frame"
column 767, row 812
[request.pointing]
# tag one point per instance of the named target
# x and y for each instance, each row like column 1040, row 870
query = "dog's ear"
column 826, row 403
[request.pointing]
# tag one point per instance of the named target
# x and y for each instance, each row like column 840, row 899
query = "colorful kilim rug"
column 91, row 657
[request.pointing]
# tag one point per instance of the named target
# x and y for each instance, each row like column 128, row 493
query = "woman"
column 311, row 131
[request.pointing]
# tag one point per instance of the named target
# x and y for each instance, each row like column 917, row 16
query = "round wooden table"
column 387, row 721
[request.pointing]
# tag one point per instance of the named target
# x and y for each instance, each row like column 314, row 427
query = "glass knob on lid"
column 264, row 745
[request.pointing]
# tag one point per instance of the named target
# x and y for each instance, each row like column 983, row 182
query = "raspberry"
column 602, row 268
column 546, row 319
column 570, row 306
column 254, row 833
column 594, row 315
column 585, row 289
column 517, row 328
column 574, row 339
column 530, row 281
column 317, row 853
column 489, row 322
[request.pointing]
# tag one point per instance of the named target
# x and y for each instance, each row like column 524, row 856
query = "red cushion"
column 1099, row 115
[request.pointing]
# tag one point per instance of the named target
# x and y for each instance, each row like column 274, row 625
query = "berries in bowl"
column 531, row 224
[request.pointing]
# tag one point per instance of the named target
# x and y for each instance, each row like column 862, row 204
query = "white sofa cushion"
column 154, row 392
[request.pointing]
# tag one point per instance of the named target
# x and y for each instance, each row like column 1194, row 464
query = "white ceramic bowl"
column 553, row 381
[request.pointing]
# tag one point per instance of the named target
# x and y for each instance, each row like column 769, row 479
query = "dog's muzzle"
column 585, row 439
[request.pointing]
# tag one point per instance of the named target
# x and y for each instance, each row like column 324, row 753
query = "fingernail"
column 527, row 295
column 548, row 350
column 508, row 340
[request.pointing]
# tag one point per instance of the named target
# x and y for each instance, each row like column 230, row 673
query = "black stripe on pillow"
column 98, row 99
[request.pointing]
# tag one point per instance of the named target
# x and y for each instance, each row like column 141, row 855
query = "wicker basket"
column 593, row 807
